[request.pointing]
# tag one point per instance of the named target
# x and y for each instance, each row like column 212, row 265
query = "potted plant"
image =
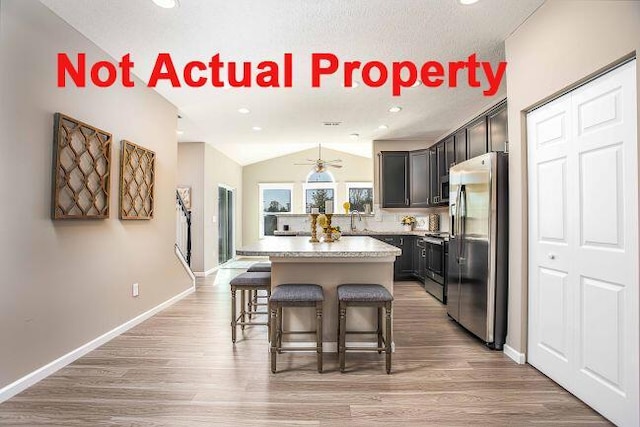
column 408, row 222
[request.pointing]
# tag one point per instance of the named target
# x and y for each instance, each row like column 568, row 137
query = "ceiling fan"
column 319, row 164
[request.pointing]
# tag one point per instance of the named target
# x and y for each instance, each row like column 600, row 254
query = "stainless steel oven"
column 434, row 249
column 435, row 265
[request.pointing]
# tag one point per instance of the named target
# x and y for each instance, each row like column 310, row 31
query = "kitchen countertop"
column 419, row 233
column 300, row 247
column 357, row 233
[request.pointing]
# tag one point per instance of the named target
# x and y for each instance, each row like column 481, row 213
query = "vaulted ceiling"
column 292, row 119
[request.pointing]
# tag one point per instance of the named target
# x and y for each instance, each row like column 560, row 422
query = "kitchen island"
column 357, row 259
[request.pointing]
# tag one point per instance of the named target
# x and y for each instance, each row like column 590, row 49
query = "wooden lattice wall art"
column 137, row 175
column 81, row 165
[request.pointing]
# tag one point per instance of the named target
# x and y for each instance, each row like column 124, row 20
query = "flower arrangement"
column 408, row 220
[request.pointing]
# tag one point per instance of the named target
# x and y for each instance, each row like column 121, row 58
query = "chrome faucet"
column 353, row 224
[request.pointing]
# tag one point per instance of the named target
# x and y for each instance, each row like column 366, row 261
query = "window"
column 319, row 188
column 360, row 194
column 274, row 198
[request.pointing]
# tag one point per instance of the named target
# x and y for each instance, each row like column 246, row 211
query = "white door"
column 583, row 243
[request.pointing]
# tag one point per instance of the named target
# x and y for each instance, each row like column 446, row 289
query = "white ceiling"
column 291, row 118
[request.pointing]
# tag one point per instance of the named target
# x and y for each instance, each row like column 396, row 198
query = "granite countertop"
column 300, row 247
column 420, row 233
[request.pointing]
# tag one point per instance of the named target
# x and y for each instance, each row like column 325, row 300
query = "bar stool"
column 295, row 295
column 248, row 282
column 364, row 295
column 253, row 304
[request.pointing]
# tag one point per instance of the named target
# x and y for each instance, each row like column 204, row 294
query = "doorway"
column 583, row 243
column 226, row 208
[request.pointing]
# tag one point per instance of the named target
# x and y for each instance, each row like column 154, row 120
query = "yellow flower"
column 346, row 206
column 322, row 221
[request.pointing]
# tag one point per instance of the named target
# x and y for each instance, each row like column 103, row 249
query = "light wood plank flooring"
column 179, row 368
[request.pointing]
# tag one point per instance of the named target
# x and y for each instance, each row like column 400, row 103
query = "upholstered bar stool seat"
column 248, row 283
column 364, row 295
column 253, row 302
column 260, row 267
column 295, row 295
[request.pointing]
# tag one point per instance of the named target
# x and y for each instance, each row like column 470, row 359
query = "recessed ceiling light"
column 167, row 4
column 466, row 2
column 243, row 110
column 179, row 132
column 383, row 127
column 354, row 136
column 257, row 128
column 417, row 83
column 395, row 109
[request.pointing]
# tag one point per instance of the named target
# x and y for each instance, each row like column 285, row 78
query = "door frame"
column 233, row 191
column 526, row 290
column 523, row 357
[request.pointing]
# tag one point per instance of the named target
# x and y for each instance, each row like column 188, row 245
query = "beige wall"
column 283, row 170
column 204, row 168
column 561, row 44
column 65, row 283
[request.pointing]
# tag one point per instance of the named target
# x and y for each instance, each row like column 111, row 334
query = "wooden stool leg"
column 243, row 308
column 250, row 304
column 379, row 330
column 279, row 336
column 388, row 337
column 274, row 339
column 319, row 335
column 233, row 315
column 342, row 337
column 269, row 323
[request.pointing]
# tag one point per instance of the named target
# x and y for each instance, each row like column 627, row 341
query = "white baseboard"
column 516, row 356
column 39, row 374
column 206, row 273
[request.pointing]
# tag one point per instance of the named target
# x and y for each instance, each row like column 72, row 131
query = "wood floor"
column 179, row 368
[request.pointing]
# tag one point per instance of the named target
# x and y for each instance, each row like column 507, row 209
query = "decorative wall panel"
column 81, row 160
column 137, row 175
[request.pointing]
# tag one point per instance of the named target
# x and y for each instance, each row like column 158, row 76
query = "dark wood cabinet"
column 449, row 153
column 419, row 179
column 497, row 124
column 477, row 138
column 394, row 179
column 443, row 173
column 433, row 176
column 403, row 266
column 460, row 141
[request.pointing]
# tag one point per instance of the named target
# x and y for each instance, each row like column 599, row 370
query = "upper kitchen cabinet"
column 497, row 122
column 434, row 181
column 477, row 138
column 394, row 179
column 419, row 179
column 449, row 153
column 460, row 142
column 443, row 171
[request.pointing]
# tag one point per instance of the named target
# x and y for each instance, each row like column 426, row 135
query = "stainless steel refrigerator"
column 478, row 247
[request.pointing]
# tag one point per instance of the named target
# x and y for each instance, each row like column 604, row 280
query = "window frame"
column 271, row 186
column 360, row 184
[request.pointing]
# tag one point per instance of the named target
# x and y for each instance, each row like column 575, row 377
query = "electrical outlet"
column 135, row 290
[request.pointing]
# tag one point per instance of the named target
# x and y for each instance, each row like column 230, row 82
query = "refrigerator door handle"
column 462, row 218
column 456, row 222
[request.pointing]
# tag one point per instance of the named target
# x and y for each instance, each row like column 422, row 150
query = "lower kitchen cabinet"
column 403, row 267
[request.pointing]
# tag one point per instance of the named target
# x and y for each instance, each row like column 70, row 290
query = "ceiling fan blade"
column 304, row 164
column 333, row 161
column 333, row 166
